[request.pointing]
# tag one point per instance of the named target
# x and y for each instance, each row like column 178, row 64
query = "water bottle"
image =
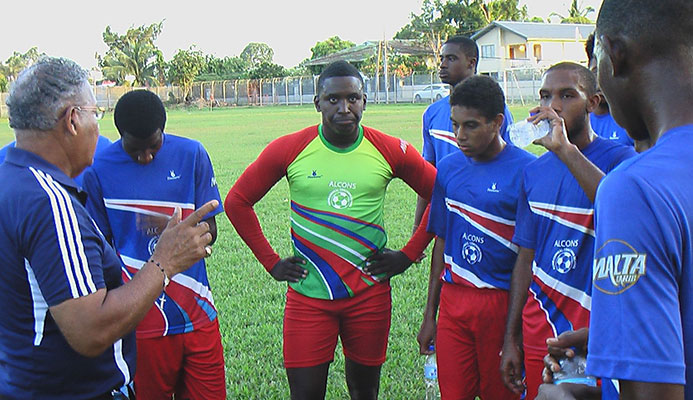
column 431, row 376
column 523, row 133
column 573, row 371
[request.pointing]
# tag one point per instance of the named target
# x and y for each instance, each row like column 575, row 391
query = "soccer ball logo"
column 563, row 260
column 152, row 244
column 471, row 253
column 339, row 199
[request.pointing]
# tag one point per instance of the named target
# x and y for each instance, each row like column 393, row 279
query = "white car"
column 435, row 92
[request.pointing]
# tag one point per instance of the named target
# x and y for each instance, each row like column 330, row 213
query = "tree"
column 329, row 46
column 17, row 62
column 576, row 14
column 255, row 54
column 502, row 10
column 3, row 83
column 133, row 53
column 267, row 70
column 184, row 67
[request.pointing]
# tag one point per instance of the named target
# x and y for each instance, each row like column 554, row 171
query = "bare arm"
column 94, row 322
column 585, row 172
column 427, row 331
column 512, row 357
column 631, row 390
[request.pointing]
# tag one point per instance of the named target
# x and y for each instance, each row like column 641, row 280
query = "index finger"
column 194, row 218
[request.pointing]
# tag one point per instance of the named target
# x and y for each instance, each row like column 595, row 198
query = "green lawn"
column 249, row 301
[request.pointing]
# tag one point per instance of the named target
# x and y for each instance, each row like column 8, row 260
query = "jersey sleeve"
column 635, row 325
column 428, row 152
column 62, row 248
column 525, row 221
column 205, row 182
column 95, row 205
column 420, row 175
column 438, row 215
column 251, row 186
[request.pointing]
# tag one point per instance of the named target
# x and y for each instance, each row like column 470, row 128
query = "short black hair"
column 586, row 78
column 139, row 113
column 589, row 47
column 467, row 45
column 337, row 69
column 660, row 27
column 481, row 93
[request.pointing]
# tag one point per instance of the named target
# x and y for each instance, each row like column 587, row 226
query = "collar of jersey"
column 339, row 149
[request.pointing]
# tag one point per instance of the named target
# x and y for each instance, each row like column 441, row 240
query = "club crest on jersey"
column 339, row 199
column 471, row 252
column 493, row 188
column 563, row 260
column 617, row 267
column 152, row 244
column 314, row 175
column 172, row 175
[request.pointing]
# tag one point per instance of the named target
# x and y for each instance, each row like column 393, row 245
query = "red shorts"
column 469, row 338
column 311, row 328
column 191, row 365
column 534, row 366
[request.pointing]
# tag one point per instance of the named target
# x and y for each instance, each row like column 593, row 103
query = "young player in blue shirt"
column 473, row 216
column 459, row 57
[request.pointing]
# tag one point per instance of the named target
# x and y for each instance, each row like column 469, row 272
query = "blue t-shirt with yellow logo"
column 641, row 327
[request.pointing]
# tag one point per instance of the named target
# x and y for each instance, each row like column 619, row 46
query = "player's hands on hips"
column 512, row 366
column 568, row 391
column 289, row 269
column 557, row 138
column 183, row 243
column 427, row 335
column 560, row 347
column 387, row 263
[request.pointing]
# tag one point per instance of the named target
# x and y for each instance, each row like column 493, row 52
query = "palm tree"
column 576, row 14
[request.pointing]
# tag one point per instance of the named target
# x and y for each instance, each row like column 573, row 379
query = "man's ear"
column 498, row 121
column 616, row 49
column 364, row 101
column 70, row 122
column 593, row 102
column 316, row 103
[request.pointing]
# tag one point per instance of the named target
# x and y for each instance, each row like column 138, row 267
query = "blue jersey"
column 51, row 252
column 101, row 144
column 438, row 138
column 642, row 319
column 473, row 208
column 555, row 218
column 606, row 127
column 130, row 202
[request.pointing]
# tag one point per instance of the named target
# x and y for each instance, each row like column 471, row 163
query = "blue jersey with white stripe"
column 131, row 204
column 51, row 252
column 555, row 218
column 473, row 208
column 641, row 328
column 438, row 138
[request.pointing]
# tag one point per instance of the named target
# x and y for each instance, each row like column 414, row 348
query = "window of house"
column 537, row 51
column 488, row 51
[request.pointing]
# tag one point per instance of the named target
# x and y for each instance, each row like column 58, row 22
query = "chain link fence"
column 521, row 86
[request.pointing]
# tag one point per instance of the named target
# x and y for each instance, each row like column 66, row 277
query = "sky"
column 73, row 29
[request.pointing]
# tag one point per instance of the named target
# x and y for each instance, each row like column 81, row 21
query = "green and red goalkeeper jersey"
column 337, row 199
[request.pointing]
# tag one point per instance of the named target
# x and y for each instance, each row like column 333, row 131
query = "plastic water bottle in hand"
column 431, row 376
column 573, row 371
column 523, row 133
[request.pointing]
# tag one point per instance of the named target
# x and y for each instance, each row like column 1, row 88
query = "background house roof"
column 539, row 30
column 367, row 49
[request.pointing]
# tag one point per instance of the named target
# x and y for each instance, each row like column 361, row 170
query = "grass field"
column 249, row 301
